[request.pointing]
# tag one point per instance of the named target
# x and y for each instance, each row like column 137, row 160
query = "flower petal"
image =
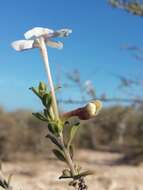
column 38, row 32
column 21, row 45
column 53, row 44
column 62, row 32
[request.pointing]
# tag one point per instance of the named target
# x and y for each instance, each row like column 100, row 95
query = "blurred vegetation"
column 117, row 128
column 133, row 6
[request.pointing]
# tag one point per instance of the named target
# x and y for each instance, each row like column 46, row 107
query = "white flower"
column 39, row 37
column 32, row 38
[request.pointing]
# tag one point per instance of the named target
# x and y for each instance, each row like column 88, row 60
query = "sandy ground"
column 42, row 174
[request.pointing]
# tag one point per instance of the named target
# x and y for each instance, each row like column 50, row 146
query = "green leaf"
column 84, row 174
column 59, row 155
column 47, row 100
column 47, row 114
column 72, row 134
column 35, row 91
column 51, row 128
column 40, row 116
column 54, row 140
column 54, row 129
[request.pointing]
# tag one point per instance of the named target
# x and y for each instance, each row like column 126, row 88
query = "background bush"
column 117, row 128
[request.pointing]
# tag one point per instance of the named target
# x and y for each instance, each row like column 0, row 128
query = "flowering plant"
column 38, row 38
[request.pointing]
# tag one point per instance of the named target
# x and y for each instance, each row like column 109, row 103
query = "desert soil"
column 42, row 174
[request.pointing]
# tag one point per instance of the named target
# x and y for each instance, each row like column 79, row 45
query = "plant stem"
column 67, row 155
column 47, row 67
column 80, row 183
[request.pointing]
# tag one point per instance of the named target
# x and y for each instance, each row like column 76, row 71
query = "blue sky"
column 94, row 47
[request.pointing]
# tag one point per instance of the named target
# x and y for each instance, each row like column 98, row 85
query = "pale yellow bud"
column 91, row 109
column 98, row 105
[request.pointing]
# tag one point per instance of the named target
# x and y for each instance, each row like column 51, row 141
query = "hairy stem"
column 80, row 183
column 67, row 155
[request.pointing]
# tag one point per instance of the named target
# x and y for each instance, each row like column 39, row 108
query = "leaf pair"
column 46, row 99
column 59, row 154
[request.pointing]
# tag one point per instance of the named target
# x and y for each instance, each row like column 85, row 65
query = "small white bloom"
column 32, row 38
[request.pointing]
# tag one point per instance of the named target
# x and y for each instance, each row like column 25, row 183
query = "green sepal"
column 59, row 155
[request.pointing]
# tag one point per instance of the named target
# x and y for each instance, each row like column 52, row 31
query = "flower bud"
column 42, row 86
column 90, row 109
column 86, row 112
